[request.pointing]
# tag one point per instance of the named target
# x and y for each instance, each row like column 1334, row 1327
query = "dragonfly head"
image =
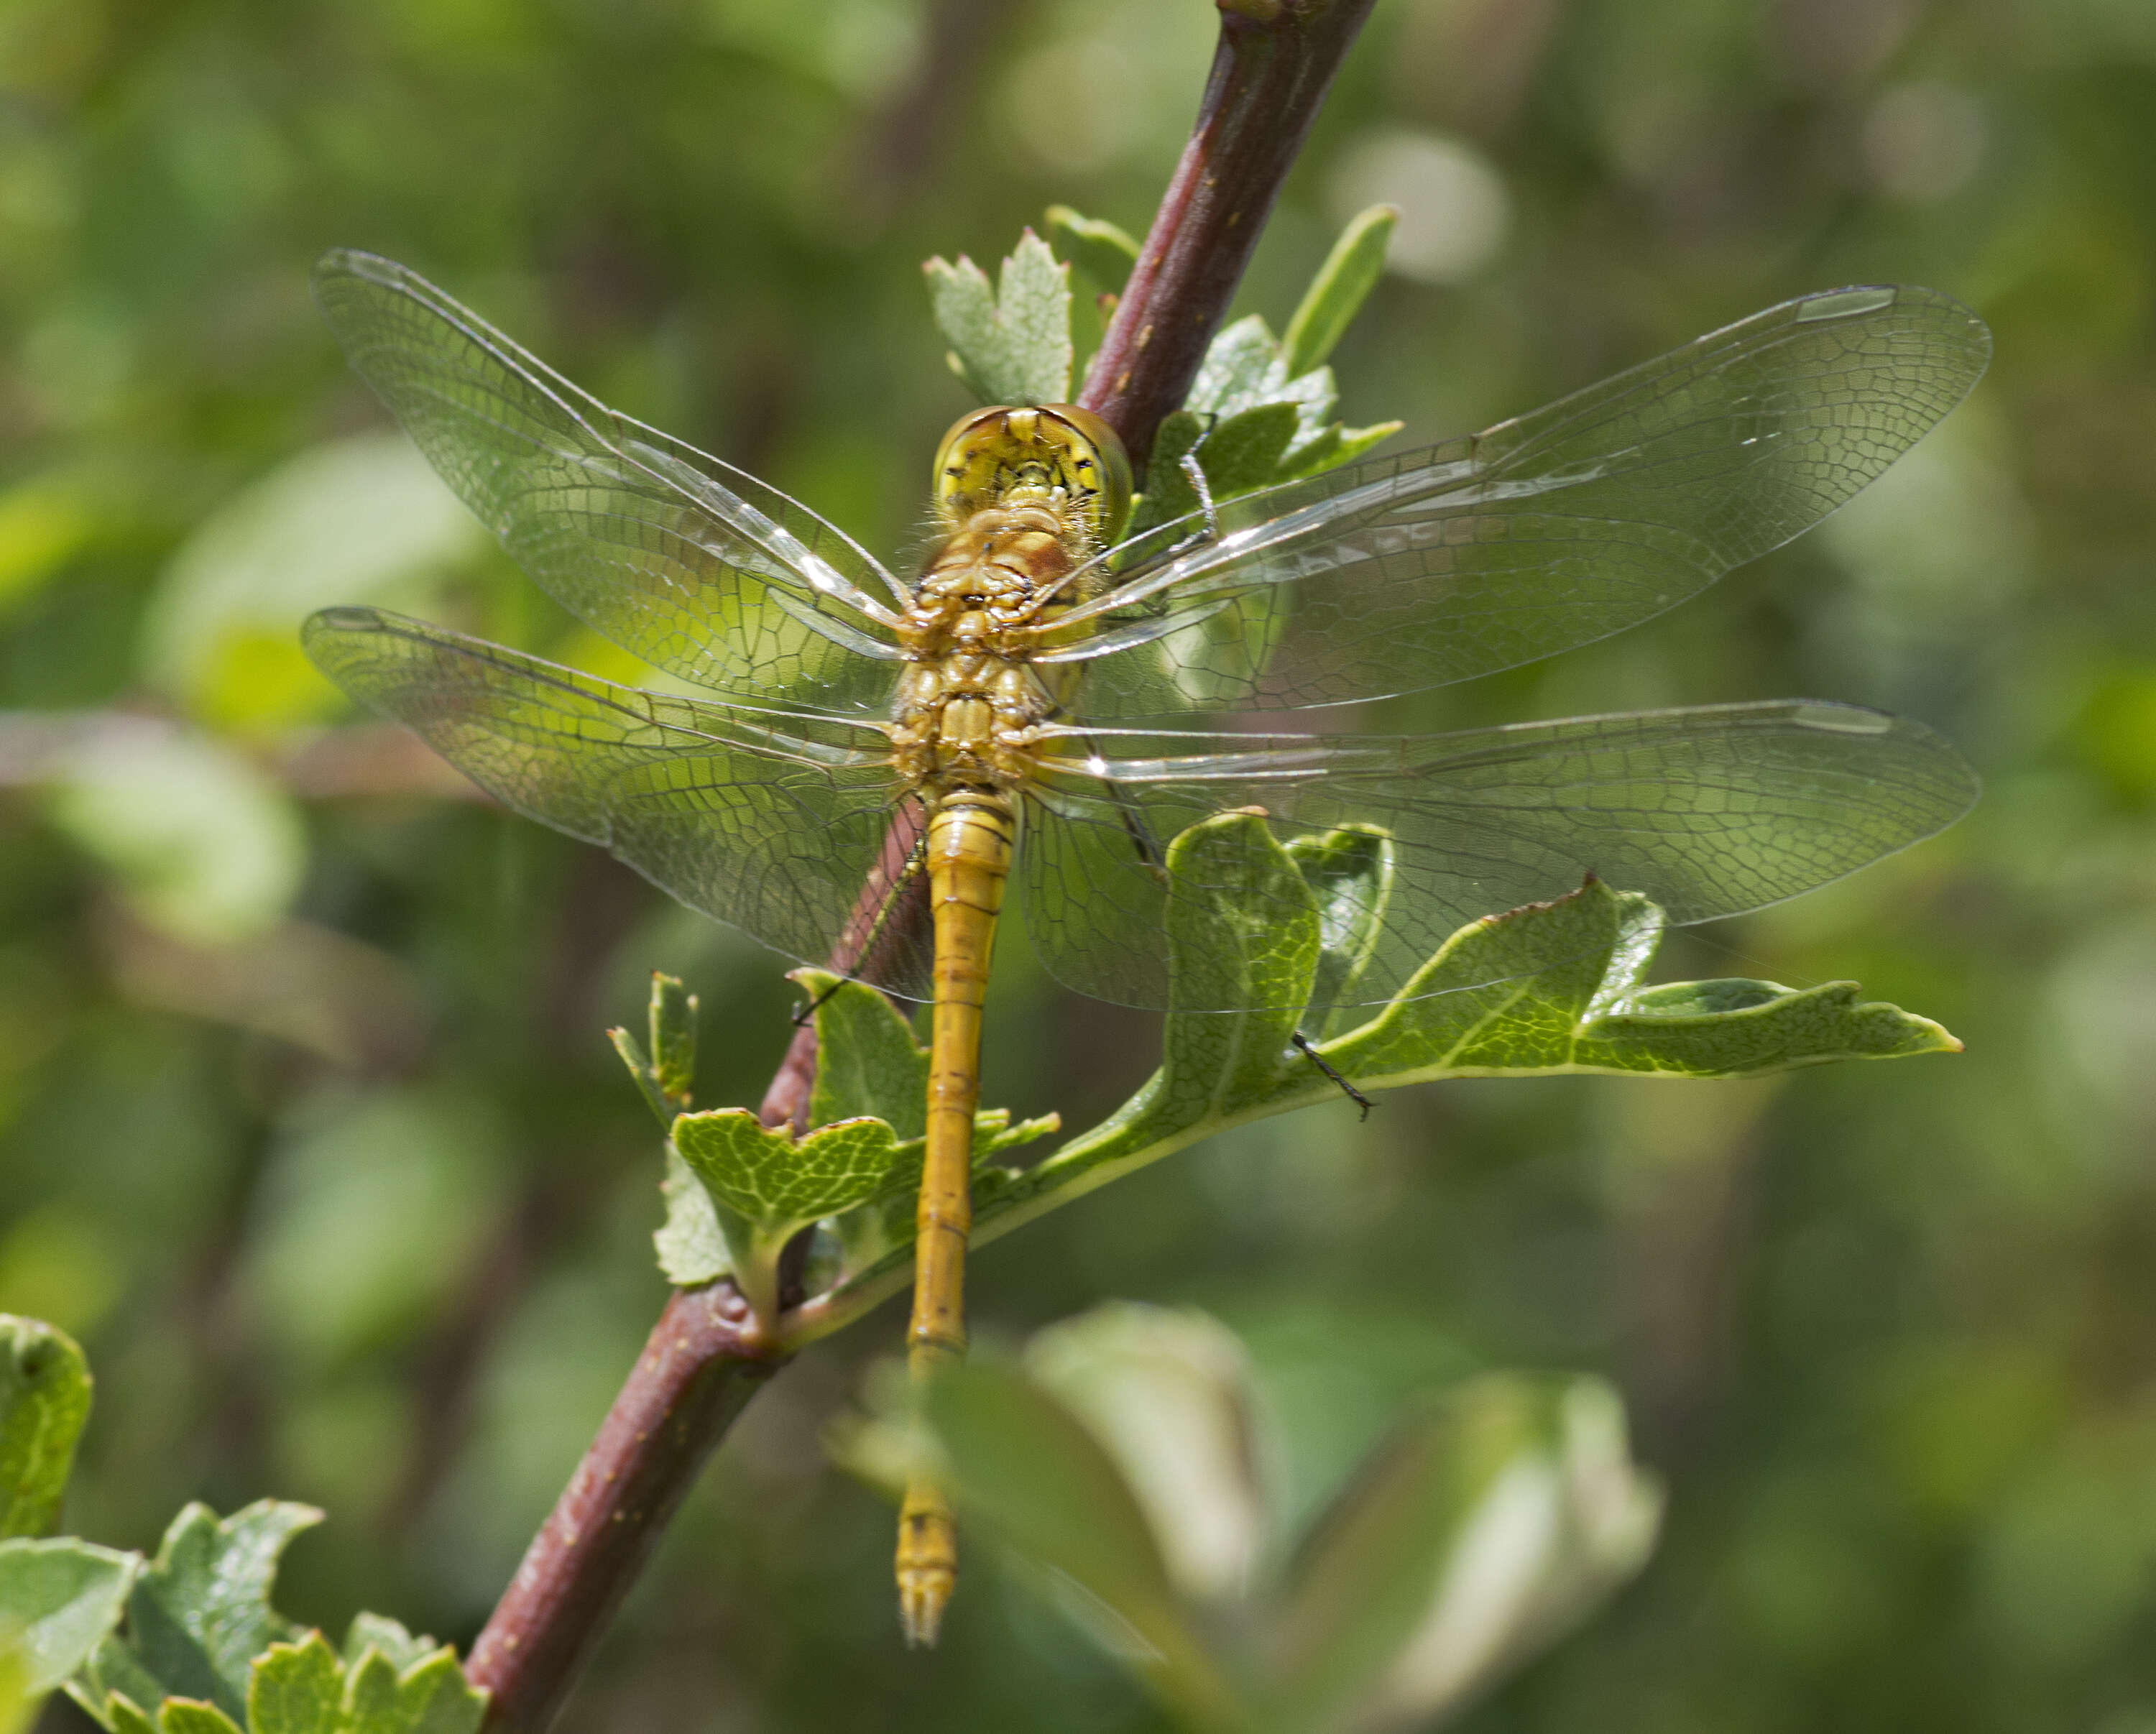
column 1058, row 453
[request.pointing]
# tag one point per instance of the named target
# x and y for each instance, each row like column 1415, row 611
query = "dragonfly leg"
column 1194, row 472
column 1303, row 1045
column 1150, row 855
column 803, row 1018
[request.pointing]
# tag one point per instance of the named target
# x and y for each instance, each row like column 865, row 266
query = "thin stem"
column 704, row 1360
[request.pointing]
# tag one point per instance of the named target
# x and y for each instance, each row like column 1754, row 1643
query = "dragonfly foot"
column 1317, row 1060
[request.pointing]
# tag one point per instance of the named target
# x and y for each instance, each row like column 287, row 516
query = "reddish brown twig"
column 1275, row 62
column 697, row 1372
column 704, row 1360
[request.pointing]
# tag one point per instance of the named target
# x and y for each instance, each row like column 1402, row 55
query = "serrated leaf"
column 295, row 1689
column 1333, row 446
column 1023, row 1466
column 59, row 1601
column 767, row 1185
column 199, row 1614
column 122, row 1714
column 430, row 1695
column 1237, row 455
column 1011, row 345
column 191, row 1715
column 667, row 1075
column 1336, row 294
column 781, row 1183
column 387, row 1637
column 1104, row 252
column 44, row 1400
column 691, row 1246
column 1271, row 427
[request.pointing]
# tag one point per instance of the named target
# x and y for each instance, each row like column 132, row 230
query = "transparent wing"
column 774, row 823
column 1563, row 526
column 678, row 558
column 1710, row 812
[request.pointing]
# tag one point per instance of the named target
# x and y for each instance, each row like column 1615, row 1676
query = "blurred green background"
column 307, row 1123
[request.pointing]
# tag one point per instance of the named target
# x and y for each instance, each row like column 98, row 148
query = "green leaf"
column 667, row 1077
column 295, row 1689
column 1267, row 426
column 1102, row 251
column 430, row 1695
column 768, row 1186
column 691, row 1246
column 44, row 1400
column 1166, row 1392
column 387, row 1637
column 191, row 1715
column 1350, row 873
column 199, row 1614
column 59, row 1600
column 1022, row 1466
column 867, row 1061
column 1553, row 988
column 738, row 1192
column 1336, row 294
column 121, row 1714
column 1011, row 345
column 1469, row 1537
column 673, row 1039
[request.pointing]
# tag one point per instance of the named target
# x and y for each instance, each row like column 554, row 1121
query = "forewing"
column 684, row 560
column 1709, row 812
column 1550, row 531
column 771, row 822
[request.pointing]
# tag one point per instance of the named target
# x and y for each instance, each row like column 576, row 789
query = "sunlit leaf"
column 1553, row 988
column 1104, row 252
column 1011, row 344
column 295, row 1689
column 44, row 1400
column 59, row 1600
column 199, row 1614
column 1336, row 294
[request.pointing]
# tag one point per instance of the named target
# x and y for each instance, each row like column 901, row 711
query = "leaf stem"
column 704, row 1359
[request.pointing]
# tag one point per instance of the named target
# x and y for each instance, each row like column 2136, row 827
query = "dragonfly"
column 1017, row 706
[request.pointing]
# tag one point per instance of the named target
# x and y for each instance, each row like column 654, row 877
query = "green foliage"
column 58, row 1599
column 199, row 1613
column 44, row 1400
column 1095, row 248
column 202, row 843
column 1251, row 423
column 1552, row 989
column 1337, row 293
column 1123, row 1455
column 206, row 1652
column 752, row 1188
column 668, row 1077
column 1010, row 344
